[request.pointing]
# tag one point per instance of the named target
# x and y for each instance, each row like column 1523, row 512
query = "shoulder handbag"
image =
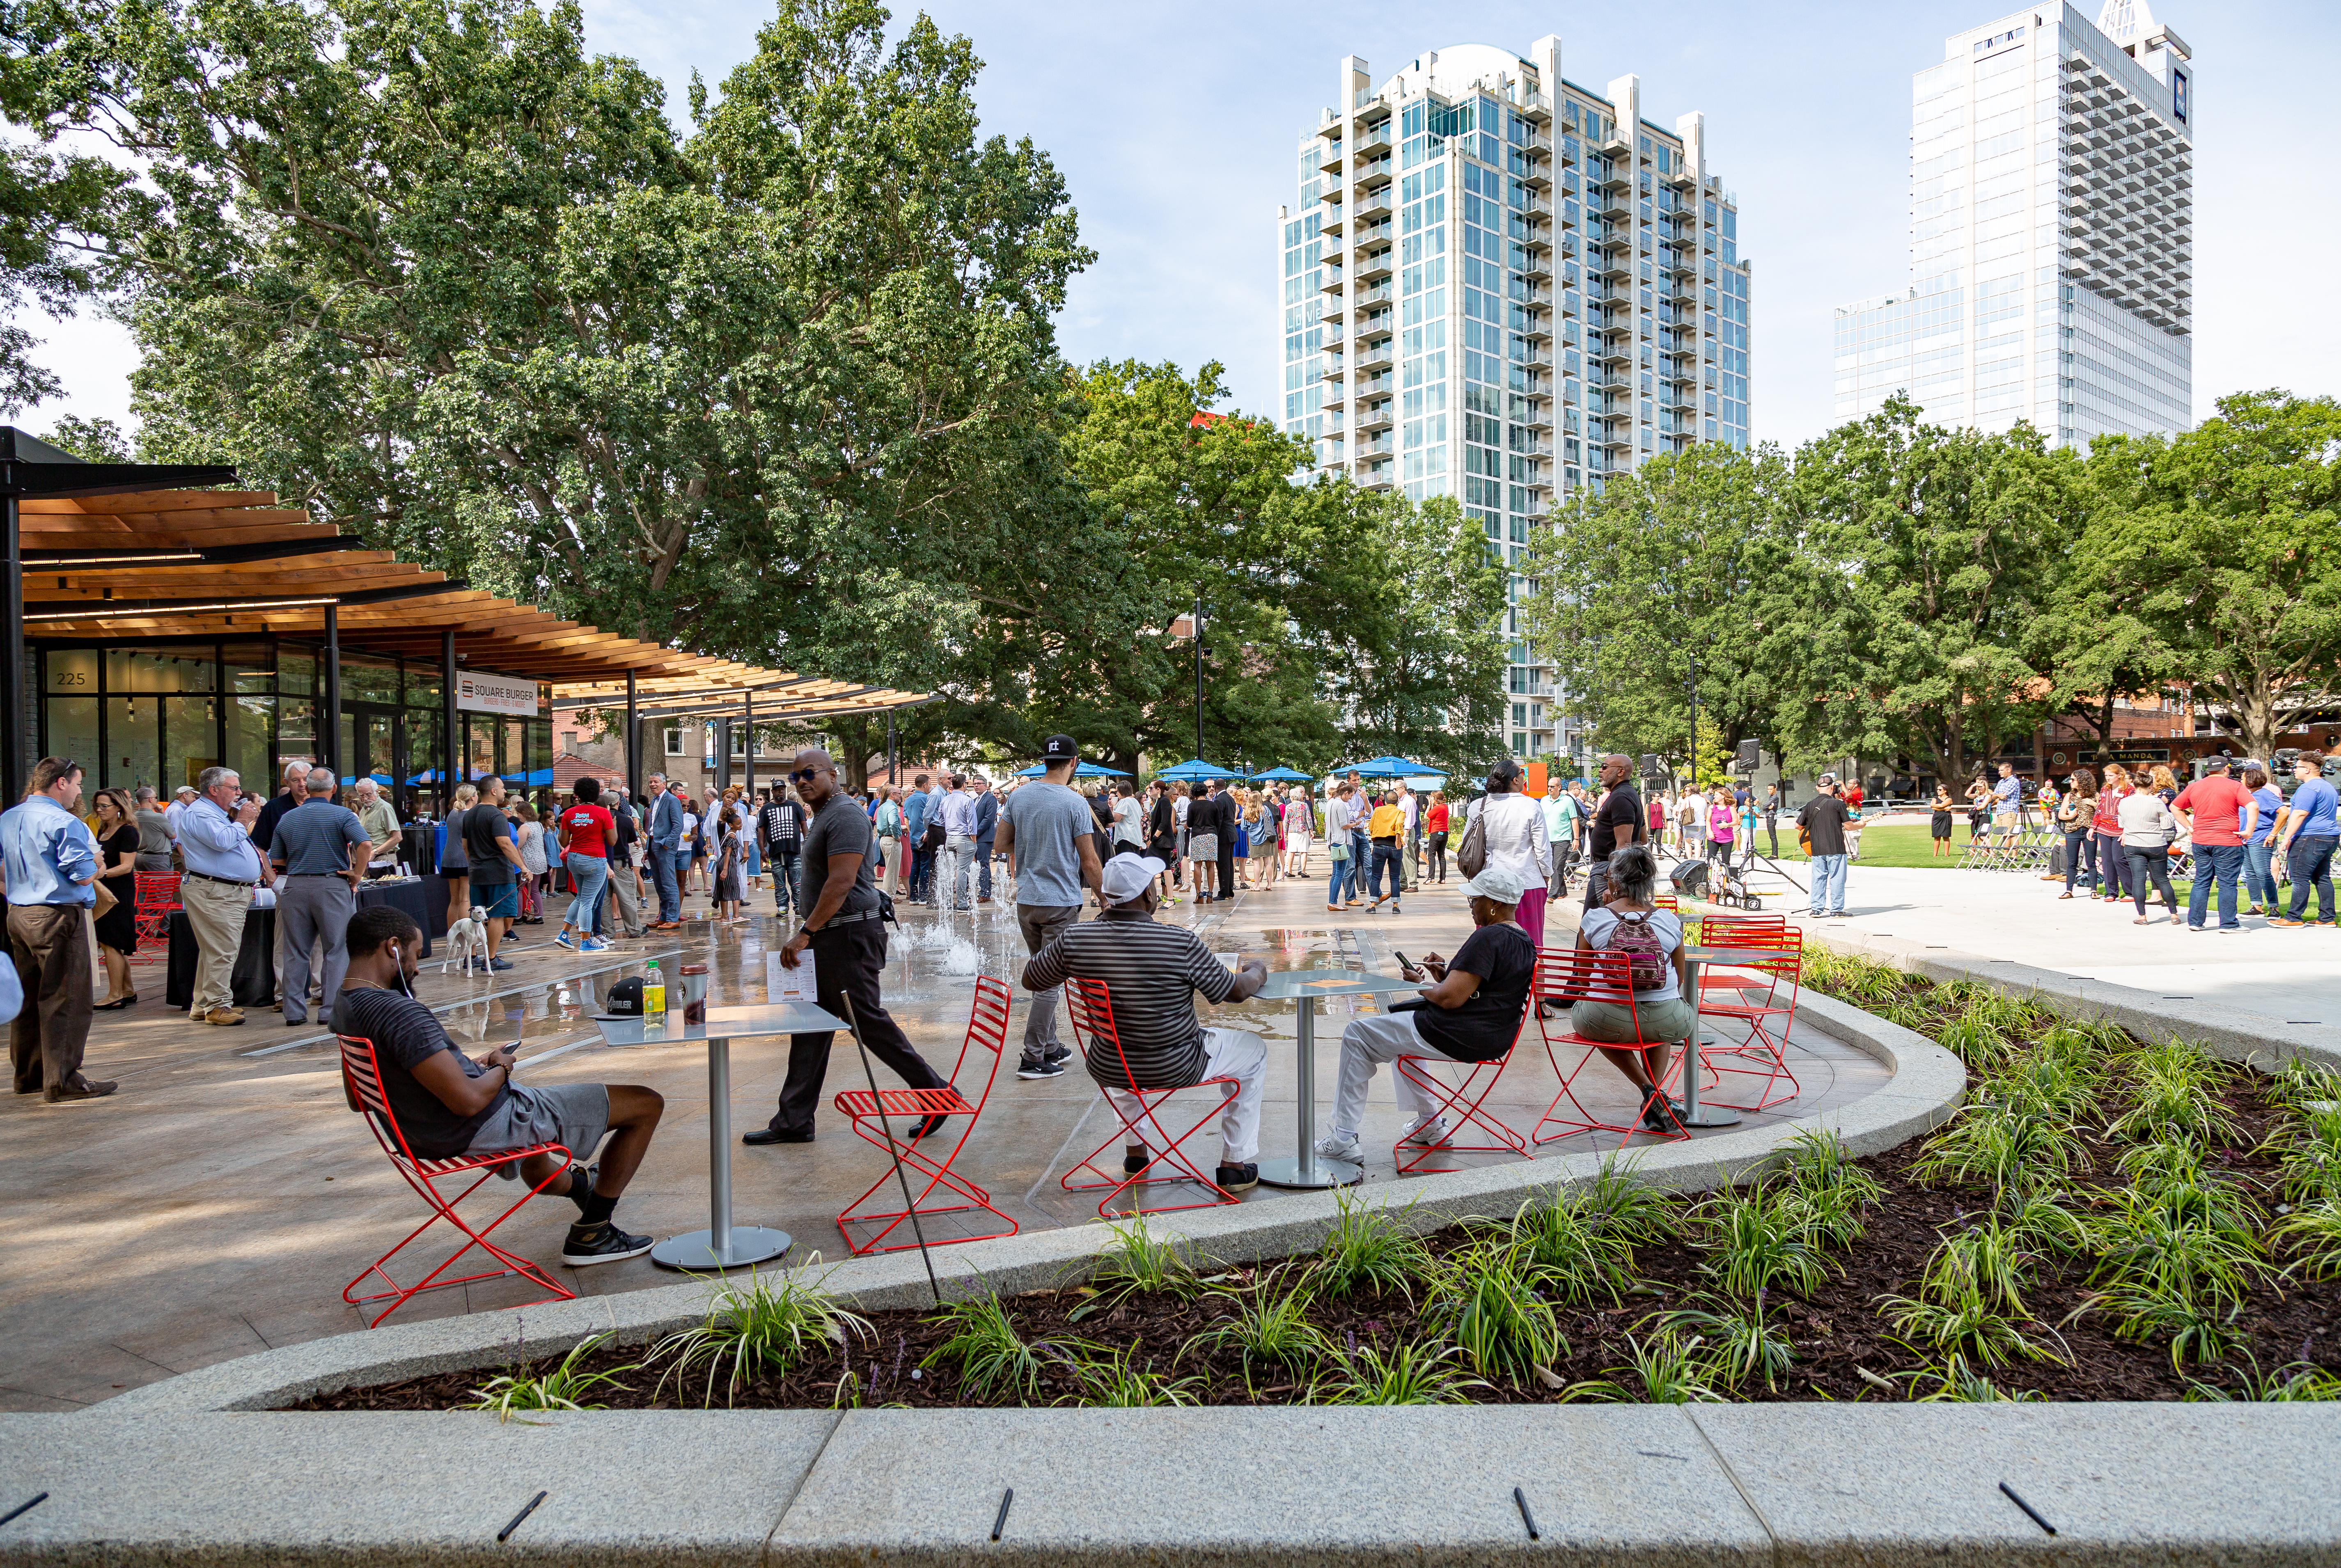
column 1472, row 857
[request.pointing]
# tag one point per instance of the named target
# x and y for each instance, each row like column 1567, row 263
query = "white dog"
column 467, row 938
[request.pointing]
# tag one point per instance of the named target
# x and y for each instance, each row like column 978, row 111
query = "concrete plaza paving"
column 216, row 1206
column 2288, row 977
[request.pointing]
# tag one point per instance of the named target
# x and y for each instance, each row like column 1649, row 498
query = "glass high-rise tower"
column 2052, row 233
column 1501, row 287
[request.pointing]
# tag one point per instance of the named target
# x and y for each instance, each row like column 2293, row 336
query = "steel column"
column 451, row 737
column 333, row 740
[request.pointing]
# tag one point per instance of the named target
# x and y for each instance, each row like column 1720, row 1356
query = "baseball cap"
column 1500, row 886
column 1059, row 749
column 1127, row 875
column 1826, row 779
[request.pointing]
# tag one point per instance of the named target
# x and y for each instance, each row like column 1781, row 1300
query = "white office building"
column 1501, row 287
column 2052, row 235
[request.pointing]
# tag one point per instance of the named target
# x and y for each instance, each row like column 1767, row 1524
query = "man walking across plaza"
column 1618, row 821
column 1203, row 841
column 1823, row 820
column 848, row 945
column 918, row 859
column 223, row 865
column 51, row 863
column 987, row 837
column 666, row 849
column 2221, row 816
column 2310, row 835
column 319, row 853
column 958, row 842
column 782, row 825
column 1049, row 836
column 496, row 865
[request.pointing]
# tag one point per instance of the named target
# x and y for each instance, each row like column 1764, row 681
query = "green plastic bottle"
column 654, row 992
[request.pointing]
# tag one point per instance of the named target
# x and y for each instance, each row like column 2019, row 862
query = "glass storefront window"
column 190, row 737
column 296, row 734
column 251, row 666
column 296, row 671
column 134, row 741
column 369, row 680
column 251, row 726
column 422, row 686
column 127, row 671
column 72, row 729
column 479, row 746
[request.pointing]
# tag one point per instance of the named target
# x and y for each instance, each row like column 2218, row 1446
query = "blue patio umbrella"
column 1283, row 776
column 1196, row 770
column 1389, row 766
column 378, row 776
column 1080, row 770
column 538, row 776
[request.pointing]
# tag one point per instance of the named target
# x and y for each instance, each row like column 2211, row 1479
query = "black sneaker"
column 1059, row 1053
column 1028, row 1067
column 581, row 1191
column 1237, row 1178
column 1660, row 1114
column 1134, row 1160
column 603, row 1243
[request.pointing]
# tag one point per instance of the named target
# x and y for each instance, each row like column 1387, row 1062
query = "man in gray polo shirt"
column 1048, row 836
column 320, row 851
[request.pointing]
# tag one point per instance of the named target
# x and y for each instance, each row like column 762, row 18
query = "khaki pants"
column 216, row 912
column 627, row 899
column 52, row 1028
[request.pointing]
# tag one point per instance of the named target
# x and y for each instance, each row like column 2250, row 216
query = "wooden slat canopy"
column 231, row 563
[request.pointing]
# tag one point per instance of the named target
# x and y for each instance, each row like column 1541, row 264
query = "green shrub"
column 1486, row 1297
column 766, row 1324
column 993, row 1360
column 563, row 1388
column 1367, row 1252
column 1403, row 1375
column 1755, row 1241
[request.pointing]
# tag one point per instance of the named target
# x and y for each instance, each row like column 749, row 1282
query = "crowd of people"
column 2246, row 841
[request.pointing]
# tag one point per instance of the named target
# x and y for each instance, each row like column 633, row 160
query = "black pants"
column 1228, row 864
column 1437, row 871
column 1772, row 829
column 847, row 960
column 2080, row 857
column 2154, row 863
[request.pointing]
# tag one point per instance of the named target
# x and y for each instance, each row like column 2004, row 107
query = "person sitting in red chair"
column 1471, row 1014
column 448, row 1104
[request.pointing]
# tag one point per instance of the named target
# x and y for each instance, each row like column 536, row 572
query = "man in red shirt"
column 2221, row 816
column 587, row 830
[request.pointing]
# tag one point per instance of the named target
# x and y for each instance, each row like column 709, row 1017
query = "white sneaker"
column 1340, row 1147
column 1430, row 1135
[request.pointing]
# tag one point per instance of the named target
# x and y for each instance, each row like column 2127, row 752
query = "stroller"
column 1699, row 879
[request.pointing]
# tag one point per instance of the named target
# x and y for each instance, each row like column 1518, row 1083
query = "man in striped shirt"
column 1151, row 972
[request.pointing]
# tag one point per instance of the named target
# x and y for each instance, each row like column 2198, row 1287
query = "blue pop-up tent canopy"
column 1194, row 769
column 377, row 776
column 1389, row 766
column 1283, row 776
column 1080, row 770
column 430, row 776
column 536, row 776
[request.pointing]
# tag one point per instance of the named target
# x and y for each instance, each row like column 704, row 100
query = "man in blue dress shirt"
column 223, row 868
column 52, row 862
column 667, row 840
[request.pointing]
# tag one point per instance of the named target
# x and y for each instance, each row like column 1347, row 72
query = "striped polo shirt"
column 1152, row 972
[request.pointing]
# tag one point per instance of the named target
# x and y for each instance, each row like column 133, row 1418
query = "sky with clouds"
column 1176, row 128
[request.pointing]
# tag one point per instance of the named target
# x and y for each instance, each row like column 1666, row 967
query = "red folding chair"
column 1762, row 994
column 1567, row 974
column 361, row 1082
column 1089, row 1006
column 987, row 1026
column 1416, row 1070
column 155, row 895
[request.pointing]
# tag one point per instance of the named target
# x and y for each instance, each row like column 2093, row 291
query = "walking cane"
column 853, row 1026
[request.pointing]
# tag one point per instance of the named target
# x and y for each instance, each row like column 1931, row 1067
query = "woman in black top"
column 117, row 859
column 1939, row 824
column 1163, row 836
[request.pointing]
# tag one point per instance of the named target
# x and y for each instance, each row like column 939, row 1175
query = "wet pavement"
column 217, row 1204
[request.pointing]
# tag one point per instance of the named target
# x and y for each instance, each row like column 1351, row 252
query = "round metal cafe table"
column 1310, row 1170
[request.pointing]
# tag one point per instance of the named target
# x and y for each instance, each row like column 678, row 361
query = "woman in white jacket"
column 2147, row 829
column 1515, row 837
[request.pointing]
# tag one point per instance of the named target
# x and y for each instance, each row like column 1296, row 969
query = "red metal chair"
column 1417, row 1071
column 155, row 895
column 361, row 1082
column 1089, row 1006
column 1567, row 974
column 1766, row 993
column 987, row 1026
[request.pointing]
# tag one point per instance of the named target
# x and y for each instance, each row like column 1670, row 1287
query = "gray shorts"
column 1204, row 847
column 574, row 1116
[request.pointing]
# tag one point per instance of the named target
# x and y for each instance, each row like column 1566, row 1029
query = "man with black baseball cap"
column 1048, row 836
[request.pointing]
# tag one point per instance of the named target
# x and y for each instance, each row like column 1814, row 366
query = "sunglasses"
column 807, row 775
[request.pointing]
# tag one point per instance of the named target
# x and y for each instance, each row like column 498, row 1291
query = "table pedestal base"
column 1692, row 1114
column 695, row 1250
column 1321, row 1173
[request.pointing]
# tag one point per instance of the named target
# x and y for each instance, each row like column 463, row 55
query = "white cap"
column 1127, row 875
column 1499, row 885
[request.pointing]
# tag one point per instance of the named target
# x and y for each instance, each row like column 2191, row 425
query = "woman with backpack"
column 1631, row 923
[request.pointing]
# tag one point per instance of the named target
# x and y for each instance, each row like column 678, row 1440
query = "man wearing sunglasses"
column 847, row 940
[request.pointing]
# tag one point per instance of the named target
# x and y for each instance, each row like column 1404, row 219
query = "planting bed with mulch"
column 2105, row 1218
